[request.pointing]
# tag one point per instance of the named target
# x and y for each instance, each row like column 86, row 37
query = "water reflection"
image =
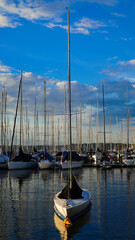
column 20, row 175
column 3, row 173
column 64, row 175
column 26, row 205
column 45, row 174
column 68, row 233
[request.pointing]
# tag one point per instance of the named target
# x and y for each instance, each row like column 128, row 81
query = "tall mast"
column 117, row 145
column 89, row 136
column 97, row 124
column 5, row 106
column 35, row 109
column 44, row 116
column 52, row 129
column 48, row 132
column 91, row 129
column 130, row 131
column 110, row 135
column 104, row 143
column 80, row 127
column 127, row 122
column 20, row 86
column 69, row 102
column 4, row 118
column 37, row 126
column 8, row 138
column 2, row 122
column 65, row 116
column 21, row 113
column 58, row 135
column 27, row 129
column 77, row 147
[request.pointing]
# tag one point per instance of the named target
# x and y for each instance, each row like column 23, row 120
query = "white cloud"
column 104, row 2
column 72, row 29
column 118, row 14
column 80, row 30
column 109, row 72
column 89, row 23
column 4, row 68
column 33, row 86
column 27, row 74
column 42, row 11
column 126, row 39
column 102, row 31
column 33, row 10
column 132, row 62
column 61, row 84
column 5, row 21
column 8, row 79
column 121, row 63
column 53, row 25
column 112, row 58
column 127, row 63
column 112, row 74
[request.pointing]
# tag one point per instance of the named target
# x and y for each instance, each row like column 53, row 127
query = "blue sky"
column 33, row 37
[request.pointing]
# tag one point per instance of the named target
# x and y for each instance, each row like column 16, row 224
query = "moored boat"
column 44, row 160
column 64, row 160
column 128, row 160
column 72, row 201
column 22, row 161
column 45, row 164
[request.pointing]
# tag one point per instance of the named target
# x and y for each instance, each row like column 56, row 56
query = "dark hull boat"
column 22, row 161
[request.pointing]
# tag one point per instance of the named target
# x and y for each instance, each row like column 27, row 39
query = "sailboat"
column 22, row 160
column 64, row 162
column 43, row 161
column 72, row 201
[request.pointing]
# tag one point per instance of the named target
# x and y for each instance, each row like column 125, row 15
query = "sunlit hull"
column 75, row 164
column 44, row 164
column 66, row 208
column 129, row 162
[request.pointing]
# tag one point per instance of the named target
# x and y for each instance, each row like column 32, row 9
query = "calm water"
column 26, row 205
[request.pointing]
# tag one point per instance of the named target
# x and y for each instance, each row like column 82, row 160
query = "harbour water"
column 26, row 205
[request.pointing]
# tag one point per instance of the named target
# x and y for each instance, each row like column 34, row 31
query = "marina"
column 26, row 204
column 67, row 120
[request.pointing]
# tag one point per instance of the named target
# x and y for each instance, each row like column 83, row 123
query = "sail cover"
column 47, row 156
column 22, row 157
column 73, row 193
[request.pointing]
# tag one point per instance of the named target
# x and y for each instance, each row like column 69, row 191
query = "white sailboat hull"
column 129, row 162
column 75, row 164
column 44, row 164
column 20, row 165
column 72, row 208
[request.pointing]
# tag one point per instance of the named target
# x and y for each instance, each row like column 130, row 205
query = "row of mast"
column 54, row 134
